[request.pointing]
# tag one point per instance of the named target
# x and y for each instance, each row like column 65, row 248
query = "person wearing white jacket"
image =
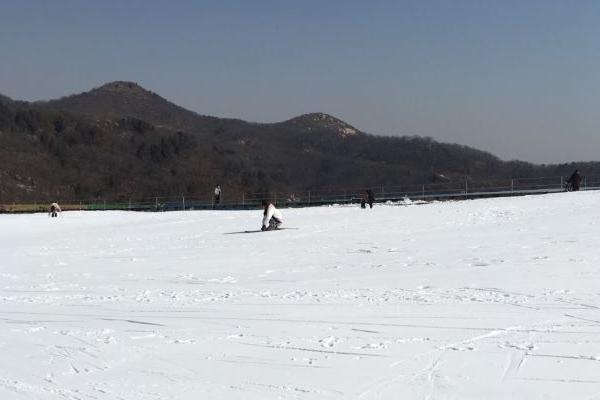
column 217, row 194
column 272, row 218
column 53, row 210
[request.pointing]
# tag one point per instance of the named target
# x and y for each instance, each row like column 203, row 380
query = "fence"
column 229, row 201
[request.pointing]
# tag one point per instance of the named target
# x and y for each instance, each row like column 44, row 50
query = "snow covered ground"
column 494, row 299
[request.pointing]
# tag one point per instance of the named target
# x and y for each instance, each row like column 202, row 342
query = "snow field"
column 495, row 299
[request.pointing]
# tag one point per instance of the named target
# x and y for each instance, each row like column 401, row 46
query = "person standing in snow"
column 53, row 210
column 574, row 181
column 272, row 218
column 370, row 197
column 217, row 194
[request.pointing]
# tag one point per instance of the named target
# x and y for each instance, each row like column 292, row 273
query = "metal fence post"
column 183, row 202
column 562, row 184
column 512, row 185
column 423, row 192
column 466, row 186
column 156, row 203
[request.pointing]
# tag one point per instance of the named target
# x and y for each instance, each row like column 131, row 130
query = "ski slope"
column 494, row 299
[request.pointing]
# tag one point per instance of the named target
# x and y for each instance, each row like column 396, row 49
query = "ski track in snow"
column 494, row 298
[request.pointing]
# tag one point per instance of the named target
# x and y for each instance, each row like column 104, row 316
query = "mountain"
column 120, row 98
column 5, row 99
column 315, row 121
column 123, row 141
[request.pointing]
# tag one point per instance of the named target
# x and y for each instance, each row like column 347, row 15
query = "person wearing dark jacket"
column 574, row 181
column 370, row 198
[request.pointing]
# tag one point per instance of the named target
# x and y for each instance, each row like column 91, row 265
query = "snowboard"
column 260, row 230
column 268, row 230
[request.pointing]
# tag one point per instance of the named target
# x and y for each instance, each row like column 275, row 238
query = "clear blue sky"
column 518, row 78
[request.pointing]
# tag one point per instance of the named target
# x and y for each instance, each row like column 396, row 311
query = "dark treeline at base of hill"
column 122, row 141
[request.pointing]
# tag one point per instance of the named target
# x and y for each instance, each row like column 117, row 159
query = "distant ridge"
column 122, row 140
column 5, row 99
column 127, row 99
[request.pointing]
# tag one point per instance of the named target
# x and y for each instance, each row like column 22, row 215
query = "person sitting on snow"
column 272, row 218
column 53, row 210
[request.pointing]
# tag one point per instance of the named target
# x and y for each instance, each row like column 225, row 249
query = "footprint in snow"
column 183, row 341
column 522, row 346
column 373, row 346
column 479, row 264
column 328, row 342
column 458, row 348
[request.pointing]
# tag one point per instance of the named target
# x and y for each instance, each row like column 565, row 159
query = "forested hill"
column 123, row 140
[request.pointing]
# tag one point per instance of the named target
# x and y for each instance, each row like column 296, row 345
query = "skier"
column 272, row 218
column 218, row 194
column 574, row 181
column 53, row 210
